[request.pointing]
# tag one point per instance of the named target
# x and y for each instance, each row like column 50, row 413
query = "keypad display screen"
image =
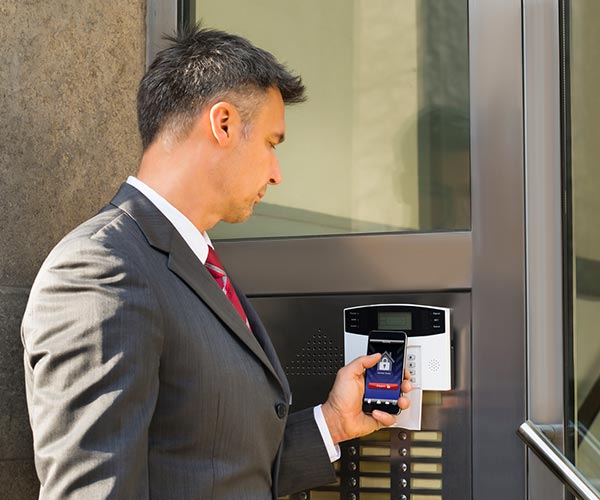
column 389, row 320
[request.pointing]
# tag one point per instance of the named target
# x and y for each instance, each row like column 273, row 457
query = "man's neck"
column 176, row 179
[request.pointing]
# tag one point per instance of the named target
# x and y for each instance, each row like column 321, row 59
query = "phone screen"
column 383, row 381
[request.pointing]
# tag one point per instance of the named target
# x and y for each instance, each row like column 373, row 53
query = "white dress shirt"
column 199, row 243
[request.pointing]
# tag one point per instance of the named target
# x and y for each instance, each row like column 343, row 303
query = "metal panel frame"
column 490, row 259
column 350, row 264
column 544, row 233
column 299, row 325
column 161, row 18
column 498, row 215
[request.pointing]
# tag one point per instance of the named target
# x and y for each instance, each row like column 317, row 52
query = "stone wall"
column 68, row 137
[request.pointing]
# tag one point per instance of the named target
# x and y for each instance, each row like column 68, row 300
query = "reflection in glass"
column 382, row 145
column 584, row 52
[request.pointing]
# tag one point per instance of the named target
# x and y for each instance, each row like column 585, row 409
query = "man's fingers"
column 383, row 418
column 403, row 403
column 369, row 361
column 359, row 365
column 406, row 387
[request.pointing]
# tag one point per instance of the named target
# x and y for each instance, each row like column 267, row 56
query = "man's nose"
column 275, row 173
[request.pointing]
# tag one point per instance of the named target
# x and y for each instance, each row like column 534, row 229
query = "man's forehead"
column 275, row 112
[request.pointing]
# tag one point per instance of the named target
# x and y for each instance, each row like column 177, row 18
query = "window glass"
column 382, row 145
column 584, row 375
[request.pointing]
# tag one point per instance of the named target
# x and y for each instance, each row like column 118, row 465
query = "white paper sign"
column 411, row 419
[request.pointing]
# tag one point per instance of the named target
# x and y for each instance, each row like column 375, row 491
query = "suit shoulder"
column 110, row 221
column 110, row 231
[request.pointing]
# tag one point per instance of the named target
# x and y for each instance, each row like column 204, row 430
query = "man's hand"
column 343, row 408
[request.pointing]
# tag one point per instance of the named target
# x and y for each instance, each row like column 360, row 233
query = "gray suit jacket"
column 143, row 381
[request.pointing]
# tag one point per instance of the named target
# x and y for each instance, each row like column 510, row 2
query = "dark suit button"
column 281, row 410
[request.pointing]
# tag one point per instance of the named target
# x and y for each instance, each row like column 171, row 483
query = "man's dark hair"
column 201, row 67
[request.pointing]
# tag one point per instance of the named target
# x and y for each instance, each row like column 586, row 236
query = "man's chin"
column 239, row 217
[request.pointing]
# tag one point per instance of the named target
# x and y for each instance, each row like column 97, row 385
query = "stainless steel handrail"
column 556, row 461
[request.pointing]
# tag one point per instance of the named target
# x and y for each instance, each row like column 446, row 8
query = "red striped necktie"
column 216, row 269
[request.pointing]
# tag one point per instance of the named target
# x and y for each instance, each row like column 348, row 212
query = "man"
column 144, row 379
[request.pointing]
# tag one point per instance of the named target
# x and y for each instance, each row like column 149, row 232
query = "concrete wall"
column 68, row 76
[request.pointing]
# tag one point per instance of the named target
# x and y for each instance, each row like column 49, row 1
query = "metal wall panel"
column 308, row 334
column 161, row 19
column 544, row 234
column 490, row 259
column 350, row 264
column 498, row 214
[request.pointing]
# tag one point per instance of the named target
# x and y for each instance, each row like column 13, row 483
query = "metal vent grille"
column 319, row 356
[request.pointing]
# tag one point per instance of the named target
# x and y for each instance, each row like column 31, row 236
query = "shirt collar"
column 196, row 240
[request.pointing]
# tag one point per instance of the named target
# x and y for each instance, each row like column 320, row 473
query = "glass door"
column 403, row 176
column 562, row 109
column 582, row 243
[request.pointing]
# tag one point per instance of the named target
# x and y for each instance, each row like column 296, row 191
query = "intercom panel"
column 433, row 462
column 429, row 358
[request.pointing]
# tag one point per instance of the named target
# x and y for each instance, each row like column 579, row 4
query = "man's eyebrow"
column 280, row 137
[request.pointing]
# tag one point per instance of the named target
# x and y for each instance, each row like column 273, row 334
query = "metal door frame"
column 545, row 370
column 490, row 260
column 498, row 232
column 550, row 259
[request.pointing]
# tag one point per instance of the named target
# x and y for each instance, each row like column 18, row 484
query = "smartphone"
column 383, row 381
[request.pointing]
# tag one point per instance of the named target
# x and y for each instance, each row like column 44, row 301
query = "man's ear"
column 224, row 120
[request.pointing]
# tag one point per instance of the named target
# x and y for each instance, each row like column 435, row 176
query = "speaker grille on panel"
column 434, row 365
column 318, row 356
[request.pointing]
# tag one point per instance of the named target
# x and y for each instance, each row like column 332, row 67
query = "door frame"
column 490, row 260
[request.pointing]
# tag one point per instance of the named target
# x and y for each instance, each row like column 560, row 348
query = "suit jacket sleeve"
column 304, row 462
column 92, row 342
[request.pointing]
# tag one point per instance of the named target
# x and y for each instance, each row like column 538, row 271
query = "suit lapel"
column 184, row 263
column 263, row 338
column 161, row 234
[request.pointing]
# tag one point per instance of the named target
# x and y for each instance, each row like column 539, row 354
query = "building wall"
column 68, row 138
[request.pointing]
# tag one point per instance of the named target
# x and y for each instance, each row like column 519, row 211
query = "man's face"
column 253, row 164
